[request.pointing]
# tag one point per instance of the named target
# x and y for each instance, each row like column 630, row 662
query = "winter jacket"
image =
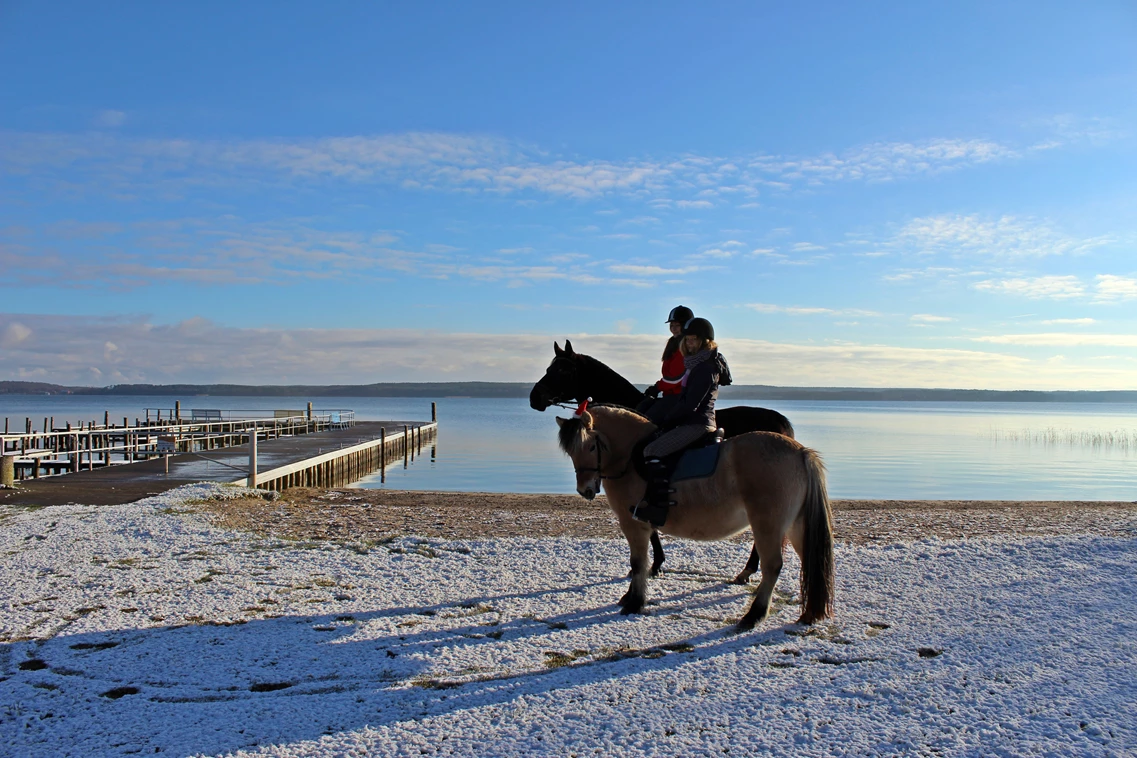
column 673, row 374
column 696, row 403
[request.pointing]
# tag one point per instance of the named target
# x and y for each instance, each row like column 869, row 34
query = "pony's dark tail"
column 817, row 553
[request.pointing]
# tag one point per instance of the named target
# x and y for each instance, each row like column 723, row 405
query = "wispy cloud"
column 634, row 270
column 1051, row 287
column 889, row 161
column 1069, row 321
column 927, row 318
column 1004, row 236
column 1062, row 339
column 808, row 311
column 461, row 162
column 225, row 251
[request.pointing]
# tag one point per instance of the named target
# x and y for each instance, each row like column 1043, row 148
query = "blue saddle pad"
column 697, row 464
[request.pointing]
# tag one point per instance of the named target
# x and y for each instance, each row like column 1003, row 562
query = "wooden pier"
column 109, row 464
column 32, row 453
column 333, row 458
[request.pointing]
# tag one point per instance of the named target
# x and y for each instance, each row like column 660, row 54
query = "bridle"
column 599, row 468
column 558, row 400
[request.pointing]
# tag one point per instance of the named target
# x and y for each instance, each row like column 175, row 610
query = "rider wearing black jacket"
column 688, row 419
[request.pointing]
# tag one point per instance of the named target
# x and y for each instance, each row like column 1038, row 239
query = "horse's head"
column 559, row 383
column 600, row 443
column 586, row 447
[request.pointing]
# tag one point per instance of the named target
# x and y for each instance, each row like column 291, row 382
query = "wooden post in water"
column 7, row 469
column 177, row 411
column 434, row 412
column 253, row 457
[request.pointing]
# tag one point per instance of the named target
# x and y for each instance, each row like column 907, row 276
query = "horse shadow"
column 214, row 688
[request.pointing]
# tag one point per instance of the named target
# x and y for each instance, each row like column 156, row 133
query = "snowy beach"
column 158, row 627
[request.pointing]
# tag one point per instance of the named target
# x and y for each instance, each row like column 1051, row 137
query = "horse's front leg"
column 639, row 537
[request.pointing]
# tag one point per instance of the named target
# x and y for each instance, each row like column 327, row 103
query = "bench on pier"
column 205, row 414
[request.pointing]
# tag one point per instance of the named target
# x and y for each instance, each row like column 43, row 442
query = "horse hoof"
column 741, row 579
column 743, row 626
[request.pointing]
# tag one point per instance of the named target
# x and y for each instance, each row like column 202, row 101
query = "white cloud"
column 887, row 161
column 14, row 333
column 805, row 247
column 70, row 349
column 1052, row 287
column 926, row 318
column 808, row 311
column 634, row 270
column 1062, row 339
column 107, row 162
column 110, row 118
column 1005, row 236
column 1112, row 288
column 1070, row 321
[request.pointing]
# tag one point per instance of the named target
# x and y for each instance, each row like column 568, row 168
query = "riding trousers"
column 675, row 440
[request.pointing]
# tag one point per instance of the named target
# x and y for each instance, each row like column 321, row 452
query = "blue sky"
column 856, row 195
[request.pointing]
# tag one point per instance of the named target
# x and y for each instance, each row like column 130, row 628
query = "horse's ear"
column 557, row 350
column 568, row 347
column 586, row 420
column 561, row 421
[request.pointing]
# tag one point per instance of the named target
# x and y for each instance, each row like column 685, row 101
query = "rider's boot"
column 657, row 498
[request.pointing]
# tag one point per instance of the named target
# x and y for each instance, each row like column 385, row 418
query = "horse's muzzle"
column 587, row 493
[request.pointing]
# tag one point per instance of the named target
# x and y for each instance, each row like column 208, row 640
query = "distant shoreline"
column 521, row 390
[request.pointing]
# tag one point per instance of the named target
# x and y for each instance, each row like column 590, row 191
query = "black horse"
column 573, row 377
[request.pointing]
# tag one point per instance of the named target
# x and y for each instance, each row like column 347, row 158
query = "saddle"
column 696, row 461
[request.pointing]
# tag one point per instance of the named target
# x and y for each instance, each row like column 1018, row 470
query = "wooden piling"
column 7, row 469
column 253, row 458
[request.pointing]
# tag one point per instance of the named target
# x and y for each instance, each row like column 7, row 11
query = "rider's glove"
column 652, row 391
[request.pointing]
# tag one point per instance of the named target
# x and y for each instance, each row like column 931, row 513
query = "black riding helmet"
column 680, row 313
column 699, row 327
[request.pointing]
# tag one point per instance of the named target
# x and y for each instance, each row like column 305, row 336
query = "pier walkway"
column 328, row 458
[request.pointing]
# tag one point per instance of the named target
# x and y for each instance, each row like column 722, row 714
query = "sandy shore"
column 356, row 514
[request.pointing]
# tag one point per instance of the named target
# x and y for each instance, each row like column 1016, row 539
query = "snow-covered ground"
column 142, row 629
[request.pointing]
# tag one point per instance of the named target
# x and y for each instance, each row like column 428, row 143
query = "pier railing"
column 60, row 450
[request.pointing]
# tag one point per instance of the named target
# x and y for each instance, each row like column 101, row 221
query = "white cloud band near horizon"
column 116, row 350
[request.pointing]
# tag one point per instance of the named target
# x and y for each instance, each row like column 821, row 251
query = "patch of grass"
column 555, row 659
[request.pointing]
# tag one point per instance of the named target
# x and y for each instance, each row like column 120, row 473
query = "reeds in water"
column 1121, row 440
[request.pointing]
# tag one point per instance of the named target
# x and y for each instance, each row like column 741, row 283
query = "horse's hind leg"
column 634, row 599
column 751, row 566
column 657, row 553
column 770, row 552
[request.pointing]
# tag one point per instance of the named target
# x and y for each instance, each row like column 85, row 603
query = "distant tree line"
column 521, row 389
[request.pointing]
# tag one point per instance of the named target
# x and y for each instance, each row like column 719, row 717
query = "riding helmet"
column 680, row 313
column 699, row 327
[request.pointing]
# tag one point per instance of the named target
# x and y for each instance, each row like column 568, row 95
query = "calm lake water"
column 990, row 451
